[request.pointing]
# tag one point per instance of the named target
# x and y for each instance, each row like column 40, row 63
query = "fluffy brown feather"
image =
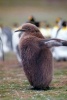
column 36, row 57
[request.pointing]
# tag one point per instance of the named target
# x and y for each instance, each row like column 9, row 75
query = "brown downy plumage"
column 36, row 56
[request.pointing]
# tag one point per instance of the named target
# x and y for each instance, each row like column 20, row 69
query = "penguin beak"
column 20, row 30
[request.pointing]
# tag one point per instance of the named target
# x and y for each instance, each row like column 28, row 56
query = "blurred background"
column 45, row 14
column 18, row 10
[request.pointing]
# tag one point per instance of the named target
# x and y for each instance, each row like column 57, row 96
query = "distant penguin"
column 61, row 53
column 36, row 56
column 57, row 27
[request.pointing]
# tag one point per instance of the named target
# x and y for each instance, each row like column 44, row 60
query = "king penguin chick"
column 36, row 56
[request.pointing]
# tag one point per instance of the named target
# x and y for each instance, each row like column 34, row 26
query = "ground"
column 15, row 86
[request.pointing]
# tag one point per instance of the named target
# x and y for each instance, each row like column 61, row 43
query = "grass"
column 15, row 86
